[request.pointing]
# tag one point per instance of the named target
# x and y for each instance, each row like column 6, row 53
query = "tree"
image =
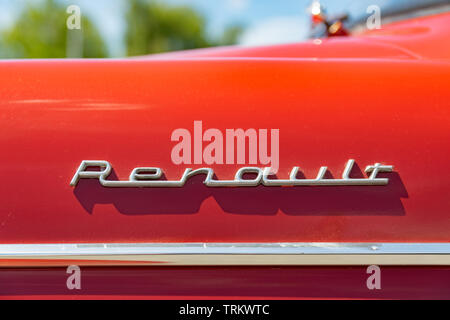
column 231, row 35
column 153, row 27
column 40, row 31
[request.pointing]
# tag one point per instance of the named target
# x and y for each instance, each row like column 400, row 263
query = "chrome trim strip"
column 186, row 254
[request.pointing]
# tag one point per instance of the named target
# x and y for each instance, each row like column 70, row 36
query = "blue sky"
column 266, row 21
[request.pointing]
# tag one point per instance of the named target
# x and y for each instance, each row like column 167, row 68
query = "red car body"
column 382, row 96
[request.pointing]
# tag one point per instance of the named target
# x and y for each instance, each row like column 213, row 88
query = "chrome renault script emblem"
column 149, row 177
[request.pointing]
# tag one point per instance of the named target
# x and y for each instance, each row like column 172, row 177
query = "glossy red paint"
column 379, row 97
column 57, row 113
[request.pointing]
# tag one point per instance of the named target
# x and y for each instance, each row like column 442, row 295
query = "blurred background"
column 118, row 28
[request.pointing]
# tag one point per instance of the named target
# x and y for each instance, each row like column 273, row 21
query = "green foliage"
column 153, row 27
column 40, row 31
column 231, row 35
